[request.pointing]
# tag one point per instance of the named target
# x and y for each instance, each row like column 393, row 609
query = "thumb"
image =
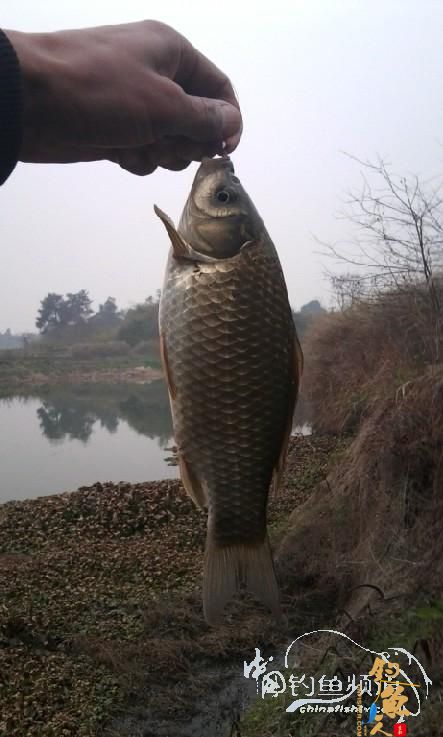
column 203, row 119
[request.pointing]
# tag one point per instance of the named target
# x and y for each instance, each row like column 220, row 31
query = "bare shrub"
column 355, row 357
column 377, row 520
column 397, row 244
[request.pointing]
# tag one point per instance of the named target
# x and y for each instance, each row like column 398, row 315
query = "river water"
column 57, row 438
column 62, row 437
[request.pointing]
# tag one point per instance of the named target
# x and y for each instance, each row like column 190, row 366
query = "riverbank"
column 101, row 626
column 116, row 375
column 20, row 370
column 101, row 592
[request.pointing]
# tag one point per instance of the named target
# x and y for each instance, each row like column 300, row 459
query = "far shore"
column 134, row 375
column 19, row 369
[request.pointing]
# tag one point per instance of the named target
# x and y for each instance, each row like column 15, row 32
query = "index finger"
column 199, row 76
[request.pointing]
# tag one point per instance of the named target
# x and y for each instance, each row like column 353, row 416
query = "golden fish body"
column 232, row 363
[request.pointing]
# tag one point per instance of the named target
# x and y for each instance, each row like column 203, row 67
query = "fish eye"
column 223, row 196
column 235, row 179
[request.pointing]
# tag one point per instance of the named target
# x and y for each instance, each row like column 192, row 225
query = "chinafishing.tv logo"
column 383, row 699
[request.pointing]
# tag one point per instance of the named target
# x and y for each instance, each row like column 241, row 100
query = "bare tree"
column 399, row 240
column 348, row 289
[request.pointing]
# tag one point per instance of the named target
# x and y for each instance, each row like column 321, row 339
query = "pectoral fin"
column 192, row 485
column 164, row 357
column 298, row 361
column 297, row 372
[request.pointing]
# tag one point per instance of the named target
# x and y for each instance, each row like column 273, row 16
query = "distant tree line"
column 140, row 323
column 72, row 318
column 59, row 315
column 57, row 312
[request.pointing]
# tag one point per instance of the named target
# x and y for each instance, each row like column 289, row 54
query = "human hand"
column 137, row 94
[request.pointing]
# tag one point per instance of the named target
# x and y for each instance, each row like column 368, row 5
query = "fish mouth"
column 212, row 173
column 209, row 166
column 215, row 176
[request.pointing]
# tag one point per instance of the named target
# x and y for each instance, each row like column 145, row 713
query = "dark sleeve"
column 10, row 108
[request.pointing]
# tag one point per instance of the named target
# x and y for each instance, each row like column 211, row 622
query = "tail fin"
column 227, row 567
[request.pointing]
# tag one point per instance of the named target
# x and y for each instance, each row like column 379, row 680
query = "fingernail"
column 220, row 148
column 232, row 143
column 231, row 122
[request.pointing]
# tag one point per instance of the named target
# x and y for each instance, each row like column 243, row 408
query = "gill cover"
column 180, row 248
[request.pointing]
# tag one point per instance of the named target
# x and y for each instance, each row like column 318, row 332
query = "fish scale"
column 200, row 423
column 228, row 344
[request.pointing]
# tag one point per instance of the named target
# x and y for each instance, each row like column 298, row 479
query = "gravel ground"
column 101, row 627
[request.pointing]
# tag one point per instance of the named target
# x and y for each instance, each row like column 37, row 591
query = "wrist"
column 36, row 61
column 11, row 107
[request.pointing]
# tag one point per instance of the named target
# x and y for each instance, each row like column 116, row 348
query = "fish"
column 233, row 364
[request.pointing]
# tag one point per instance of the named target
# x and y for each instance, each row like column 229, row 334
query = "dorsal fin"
column 179, row 246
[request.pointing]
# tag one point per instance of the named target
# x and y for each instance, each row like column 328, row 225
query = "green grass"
column 406, row 628
column 418, row 629
column 268, row 718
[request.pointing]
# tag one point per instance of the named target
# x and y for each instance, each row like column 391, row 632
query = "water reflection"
column 57, row 438
column 70, row 436
column 70, row 412
column 58, row 422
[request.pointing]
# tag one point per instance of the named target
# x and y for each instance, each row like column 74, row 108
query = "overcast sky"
column 314, row 78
